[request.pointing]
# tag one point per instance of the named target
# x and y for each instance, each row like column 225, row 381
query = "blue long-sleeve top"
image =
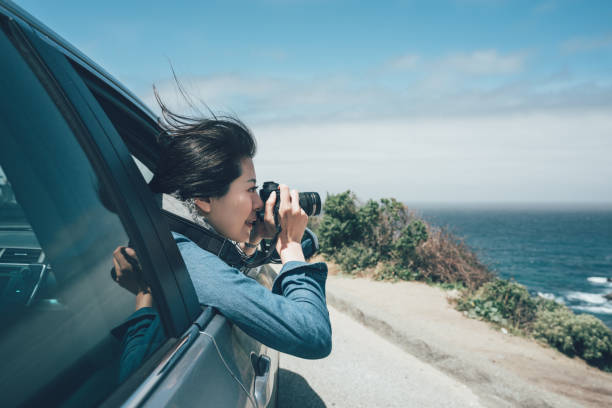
column 142, row 334
column 292, row 318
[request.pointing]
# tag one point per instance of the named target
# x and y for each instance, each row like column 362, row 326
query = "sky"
column 457, row 101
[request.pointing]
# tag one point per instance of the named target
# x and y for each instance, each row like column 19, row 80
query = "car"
column 76, row 150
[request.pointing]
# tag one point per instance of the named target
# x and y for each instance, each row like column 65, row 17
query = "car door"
column 60, row 220
column 253, row 365
column 73, row 190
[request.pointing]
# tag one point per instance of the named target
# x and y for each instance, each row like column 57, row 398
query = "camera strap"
column 216, row 244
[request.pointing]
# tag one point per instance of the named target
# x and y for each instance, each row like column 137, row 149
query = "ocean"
column 562, row 253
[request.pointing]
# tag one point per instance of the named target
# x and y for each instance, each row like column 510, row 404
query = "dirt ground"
column 502, row 369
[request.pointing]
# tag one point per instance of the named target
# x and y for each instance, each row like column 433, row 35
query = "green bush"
column 403, row 248
column 387, row 233
column 501, row 301
column 548, row 305
column 339, row 226
column 509, row 304
column 354, row 258
column 579, row 335
column 368, row 216
column 393, row 271
column 392, row 229
column 384, row 231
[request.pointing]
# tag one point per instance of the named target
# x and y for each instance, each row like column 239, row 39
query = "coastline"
column 556, row 252
column 502, row 369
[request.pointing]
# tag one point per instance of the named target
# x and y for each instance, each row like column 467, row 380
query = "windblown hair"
column 200, row 156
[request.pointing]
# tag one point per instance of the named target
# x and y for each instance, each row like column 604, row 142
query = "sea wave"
column 599, row 280
column 551, row 296
column 593, row 298
column 594, row 309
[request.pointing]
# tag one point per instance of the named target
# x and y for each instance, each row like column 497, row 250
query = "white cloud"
column 266, row 98
column 433, row 94
column 520, row 158
column 545, row 140
column 580, row 44
column 405, row 62
column 448, row 85
column 483, row 62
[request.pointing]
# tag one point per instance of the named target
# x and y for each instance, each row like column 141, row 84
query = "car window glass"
column 70, row 334
column 168, row 202
column 144, row 170
column 65, row 321
column 138, row 135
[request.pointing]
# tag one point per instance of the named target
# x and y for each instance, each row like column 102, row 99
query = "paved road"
column 365, row 370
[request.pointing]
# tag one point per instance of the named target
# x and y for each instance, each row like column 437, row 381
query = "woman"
column 207, row 165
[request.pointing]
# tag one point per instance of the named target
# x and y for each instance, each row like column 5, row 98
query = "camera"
column 309, row 201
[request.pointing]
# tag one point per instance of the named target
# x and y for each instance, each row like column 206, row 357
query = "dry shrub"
column 445, row 258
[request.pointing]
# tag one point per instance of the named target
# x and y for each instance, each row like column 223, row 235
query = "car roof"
column 11, row 9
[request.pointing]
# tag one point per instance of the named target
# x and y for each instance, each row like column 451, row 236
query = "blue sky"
column 445, row 101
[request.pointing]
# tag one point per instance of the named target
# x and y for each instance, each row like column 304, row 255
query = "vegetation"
column 385, row 240
column 500, row 301
column 580, row 335
column 509, row 304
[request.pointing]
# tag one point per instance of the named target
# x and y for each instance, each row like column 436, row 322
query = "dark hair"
column 200, row 156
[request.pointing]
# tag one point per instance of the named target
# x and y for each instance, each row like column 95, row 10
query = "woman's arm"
column 141, row 333
column 292, row 318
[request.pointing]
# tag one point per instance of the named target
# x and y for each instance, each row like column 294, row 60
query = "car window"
column 69, row 332
column 147, row 174
column 66, row 323
column 138, row 131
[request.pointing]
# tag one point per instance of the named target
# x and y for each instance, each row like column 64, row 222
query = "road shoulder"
column 503, row 370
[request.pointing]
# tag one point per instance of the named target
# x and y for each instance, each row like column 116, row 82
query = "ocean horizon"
column 560, row 251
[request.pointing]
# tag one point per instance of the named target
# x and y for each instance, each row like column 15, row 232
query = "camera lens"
column 310, row 203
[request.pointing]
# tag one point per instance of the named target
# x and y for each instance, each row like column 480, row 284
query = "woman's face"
column 233, row 215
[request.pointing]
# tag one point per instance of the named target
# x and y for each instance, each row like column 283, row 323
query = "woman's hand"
column 128, row 275
column 261, row 229
column 266, row 228
column 293, row 221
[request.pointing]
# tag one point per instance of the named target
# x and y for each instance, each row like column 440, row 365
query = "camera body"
column 309, row 201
